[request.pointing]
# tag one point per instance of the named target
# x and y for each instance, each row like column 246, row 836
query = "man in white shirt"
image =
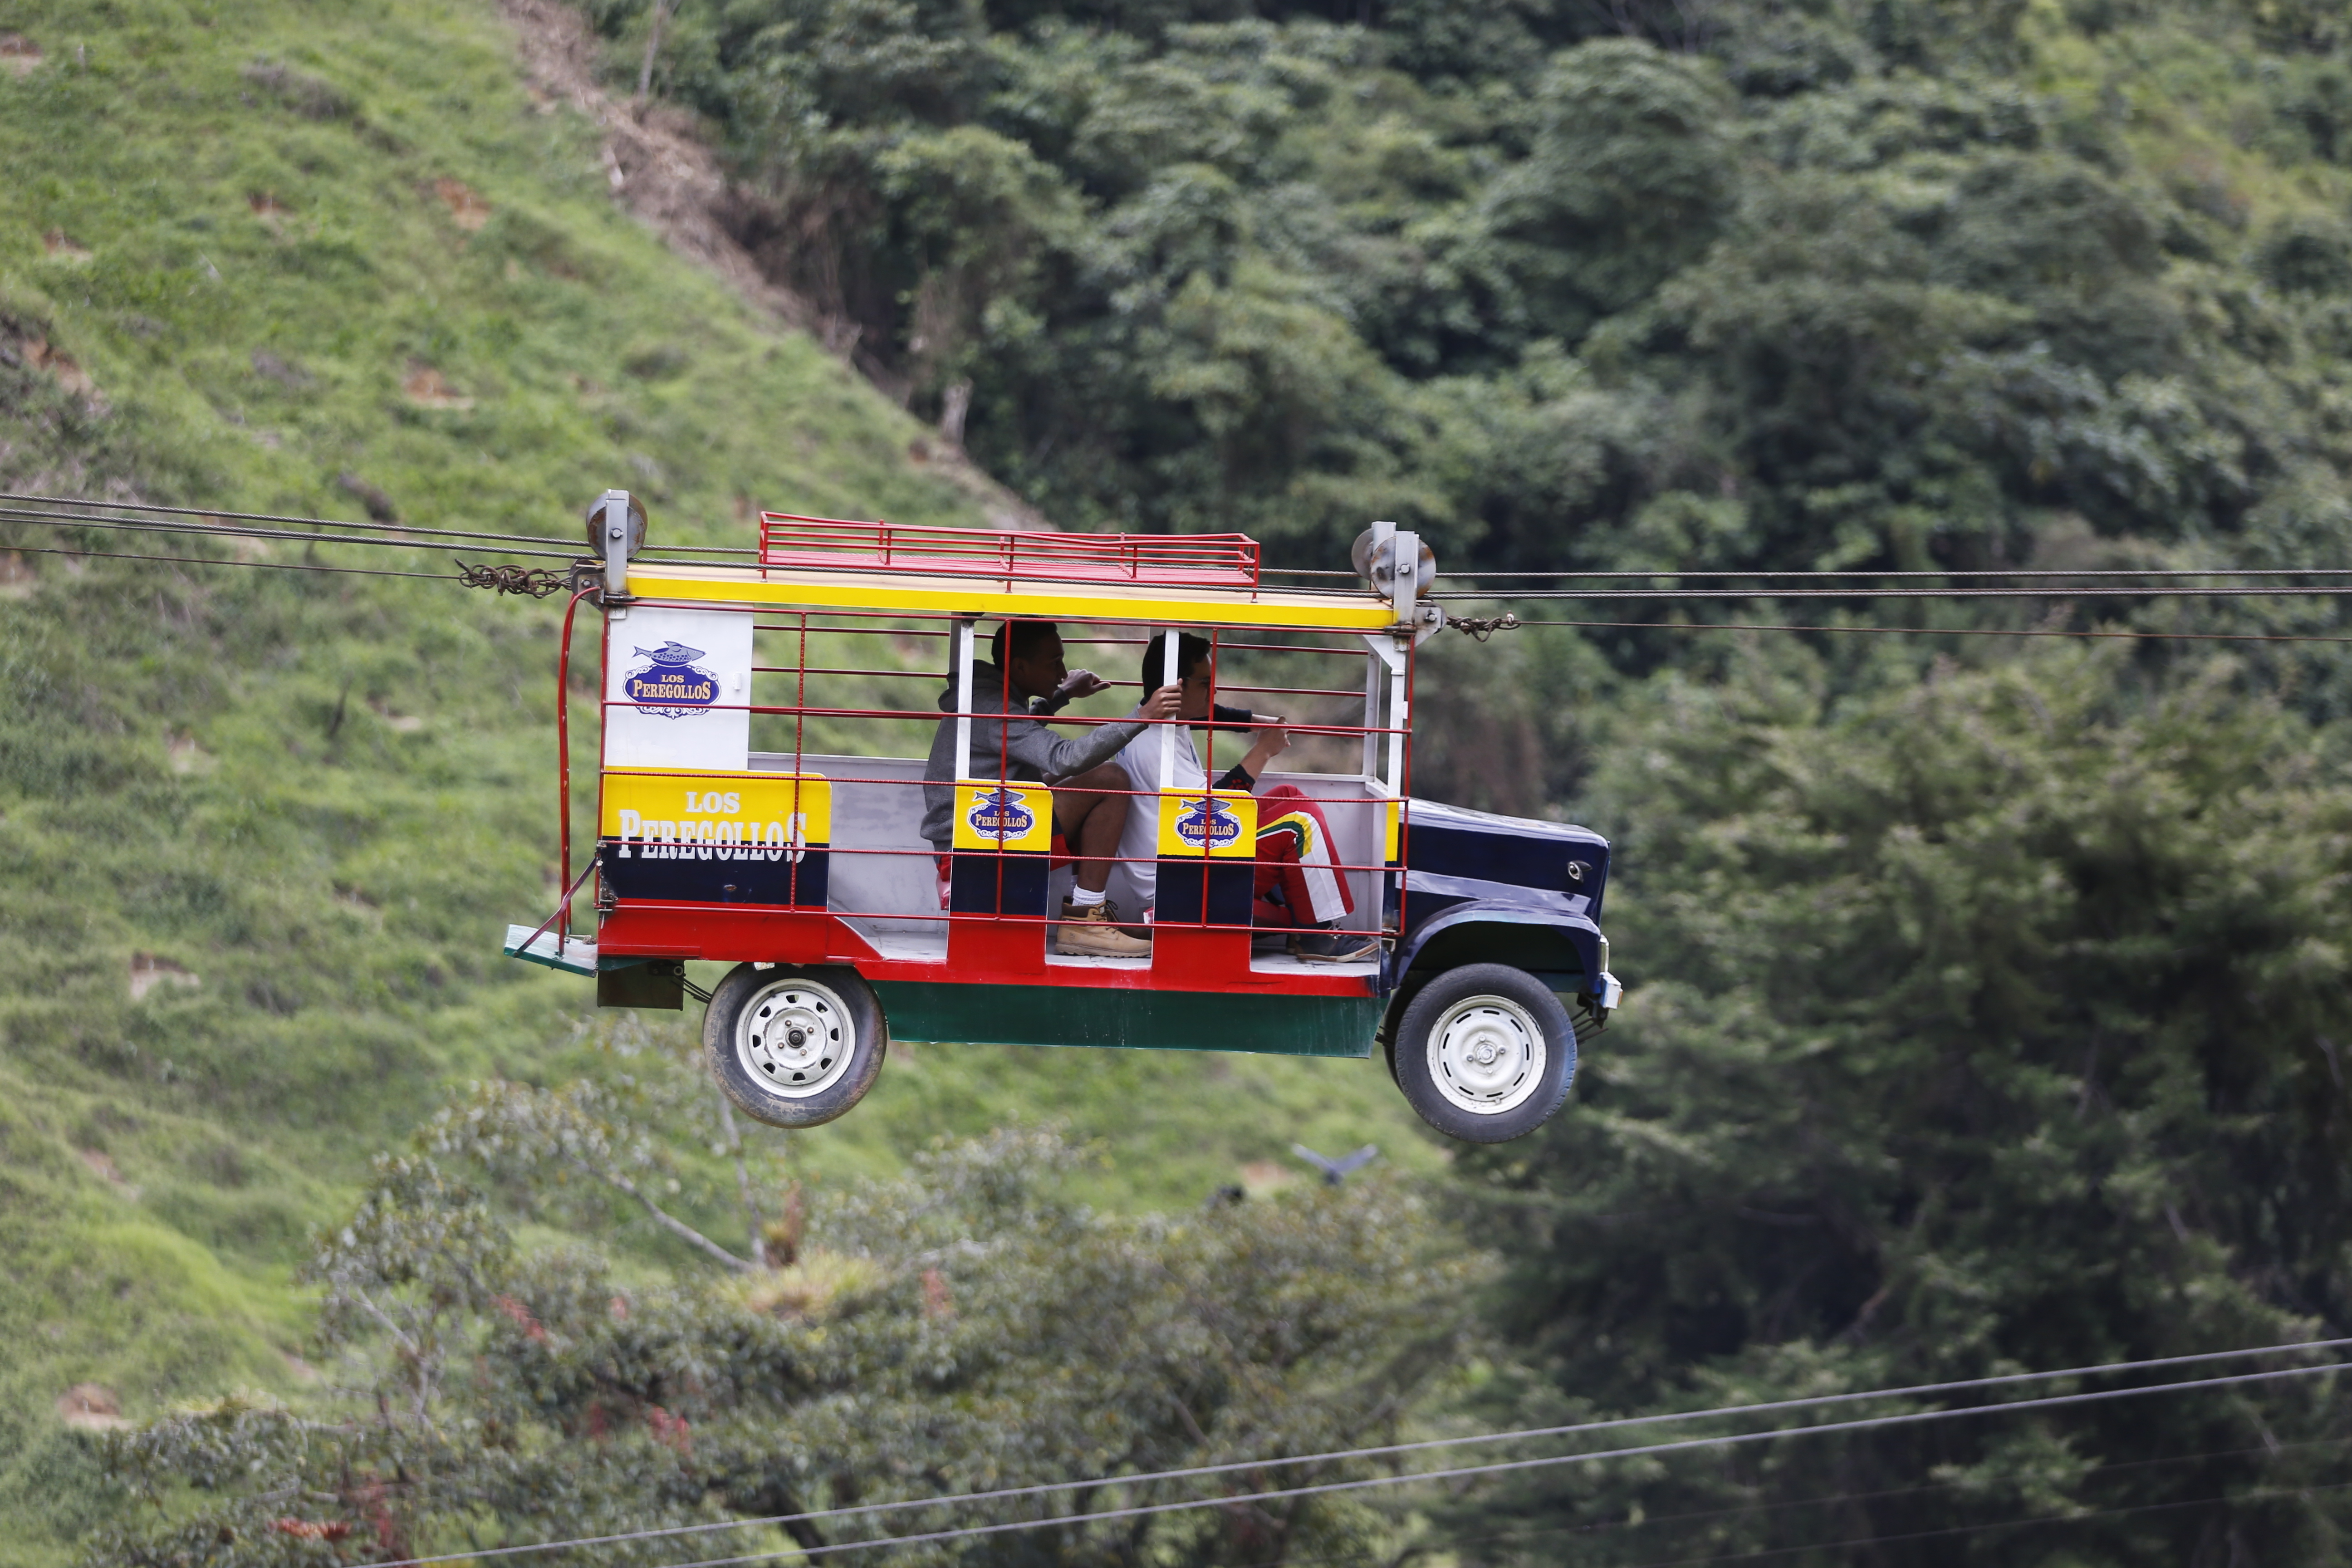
column 1298, row 884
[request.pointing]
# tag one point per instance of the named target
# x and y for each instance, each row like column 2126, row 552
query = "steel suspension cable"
column 1504, row 1466
column 674, row 555
column 1944, row 631
column 213, row 560
column 1763, row 1551
column 1659, row 574
column 210, row 513
column 1807, row 1402
column 200, row 530
column 1698, row 595
column 1605, row 1527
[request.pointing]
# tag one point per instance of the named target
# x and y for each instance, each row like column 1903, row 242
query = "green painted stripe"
column 932, row 1011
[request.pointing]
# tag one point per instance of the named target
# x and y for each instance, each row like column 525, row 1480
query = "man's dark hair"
column 1189, row 653
column 1026, row 636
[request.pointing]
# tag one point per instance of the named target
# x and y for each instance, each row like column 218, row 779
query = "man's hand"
column 1164, row 703
column 1079, row 683
column 1272, row 743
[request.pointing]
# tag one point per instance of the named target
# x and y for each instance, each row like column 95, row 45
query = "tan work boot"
column 1092, row 931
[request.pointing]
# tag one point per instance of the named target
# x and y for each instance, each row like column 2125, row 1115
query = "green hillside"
column 1986, row 991
column 259, row 829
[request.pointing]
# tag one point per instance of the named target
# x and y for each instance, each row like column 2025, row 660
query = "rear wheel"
column 1486, row 1053
column 794, row 1047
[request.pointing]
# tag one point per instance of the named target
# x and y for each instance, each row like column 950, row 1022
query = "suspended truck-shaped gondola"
column 751, row 812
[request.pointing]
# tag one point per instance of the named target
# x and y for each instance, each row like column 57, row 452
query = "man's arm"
column 1224, row 718
column 1058, row 756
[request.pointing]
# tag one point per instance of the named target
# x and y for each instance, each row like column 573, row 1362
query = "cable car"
column 833, row 768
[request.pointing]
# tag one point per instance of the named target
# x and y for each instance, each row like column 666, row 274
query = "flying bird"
column 1339, row 1170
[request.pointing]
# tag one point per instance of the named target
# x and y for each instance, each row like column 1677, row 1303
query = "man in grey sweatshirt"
column 1012, row 695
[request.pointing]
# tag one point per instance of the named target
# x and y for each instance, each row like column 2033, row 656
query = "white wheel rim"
column 794, row 1039
column 1486, row 1055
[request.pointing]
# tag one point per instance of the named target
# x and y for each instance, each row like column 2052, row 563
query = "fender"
column 1536, row 941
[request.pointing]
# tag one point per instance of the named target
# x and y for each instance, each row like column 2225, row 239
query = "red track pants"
column 1298, row 882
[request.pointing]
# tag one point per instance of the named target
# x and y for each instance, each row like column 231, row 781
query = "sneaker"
column 1327, row 946
column 1092, row 931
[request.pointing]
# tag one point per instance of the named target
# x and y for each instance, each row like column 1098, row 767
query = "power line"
column 1808, row 1402
column 211, row 513
column 201, row 531
column 1692, row 594
column 1504, row 1466
column 1995, row 1524
column 2021, row 574
column 2134, row 572
column 210, row 560
column 92, row 514
column 1943, row 631
column 1610, row 1526
column 446, row 539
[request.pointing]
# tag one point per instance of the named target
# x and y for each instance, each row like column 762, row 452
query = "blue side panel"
column 715, row 874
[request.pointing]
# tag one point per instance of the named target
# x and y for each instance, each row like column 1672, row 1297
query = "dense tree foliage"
column 969, row 1326
column 1985, row 1016
column 1736, row 283
column 1994, row 1025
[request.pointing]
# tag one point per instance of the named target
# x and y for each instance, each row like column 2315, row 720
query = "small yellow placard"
column 1004, row 816
column 1223, row 824
column 1391, row 818
column 750, row 810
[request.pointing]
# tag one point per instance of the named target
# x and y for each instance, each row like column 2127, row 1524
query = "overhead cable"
column 320, row 522
column 210, row 560
column 1686, row 594
column 1654, row 574
column 1606, row 1527
column 1502, row 1466
column 1760, row 1554
column 681, row 555
column 201, row 531
column 1943, row 631
column 1809, row 1402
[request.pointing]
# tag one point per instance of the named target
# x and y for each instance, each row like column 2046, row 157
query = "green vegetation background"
column 304, row 805
column 1890, row 285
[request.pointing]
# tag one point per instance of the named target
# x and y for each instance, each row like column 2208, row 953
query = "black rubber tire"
column 838, row 995
column 1416, row 1073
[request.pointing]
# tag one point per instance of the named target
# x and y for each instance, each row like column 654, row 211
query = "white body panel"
column 709, row 733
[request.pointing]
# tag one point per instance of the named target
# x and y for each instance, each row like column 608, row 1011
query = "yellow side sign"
column 657, row 814
column 1004, row 816
column 1206, row 822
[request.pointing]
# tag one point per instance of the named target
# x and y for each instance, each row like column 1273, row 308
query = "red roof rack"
column 1174, row 560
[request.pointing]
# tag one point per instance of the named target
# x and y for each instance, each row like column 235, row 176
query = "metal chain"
column 538, row 581
column 1479, row 630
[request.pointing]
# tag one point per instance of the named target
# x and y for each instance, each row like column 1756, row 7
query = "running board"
column 577, row 956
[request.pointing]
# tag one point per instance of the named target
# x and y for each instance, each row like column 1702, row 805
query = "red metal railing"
column 1190, row 561
column 796, row 629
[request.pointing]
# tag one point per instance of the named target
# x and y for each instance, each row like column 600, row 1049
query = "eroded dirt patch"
column 148, row 971
column 466, row 208
column 92, row 1407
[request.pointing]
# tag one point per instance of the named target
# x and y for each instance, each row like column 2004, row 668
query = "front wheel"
column 794, row 1047
column 1485, row 1053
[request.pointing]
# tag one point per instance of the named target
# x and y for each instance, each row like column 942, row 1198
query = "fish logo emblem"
column 999, row 814
column 670, row 683
column 1207, row 822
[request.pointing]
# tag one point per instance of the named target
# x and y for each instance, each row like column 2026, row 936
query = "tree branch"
column 742, row 1178
column 668, row 1221
column 652, row 48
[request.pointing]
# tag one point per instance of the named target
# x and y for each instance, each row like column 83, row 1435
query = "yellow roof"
column 897, row 593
